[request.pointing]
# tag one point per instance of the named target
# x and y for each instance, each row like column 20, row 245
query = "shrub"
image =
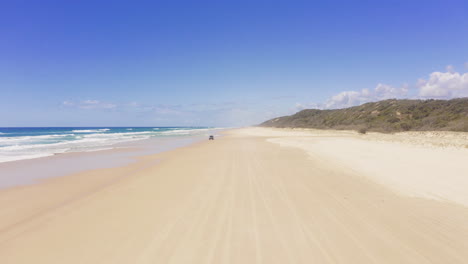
column 385, row 116
column 405, row 126
column 362, row 130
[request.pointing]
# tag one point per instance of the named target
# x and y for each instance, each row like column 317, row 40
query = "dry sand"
column 424, row 164
column 242, row 198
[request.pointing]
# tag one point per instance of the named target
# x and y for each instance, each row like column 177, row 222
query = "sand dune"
column 237, row 199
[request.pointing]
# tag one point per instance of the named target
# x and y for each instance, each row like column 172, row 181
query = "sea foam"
column 28, row 143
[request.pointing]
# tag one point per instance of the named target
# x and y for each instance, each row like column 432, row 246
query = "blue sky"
column 221, row 63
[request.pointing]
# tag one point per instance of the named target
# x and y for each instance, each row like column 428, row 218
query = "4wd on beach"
column 211, row 137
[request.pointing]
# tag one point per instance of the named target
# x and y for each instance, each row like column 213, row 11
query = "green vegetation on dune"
column 384, row 116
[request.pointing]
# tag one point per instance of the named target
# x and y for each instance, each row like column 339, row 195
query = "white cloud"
column 353, row 98
column 133, row 104
column 167, row 110
column 300, row 106
column 444, row 85
column 346, row 99
column 89, row 104
column 96, row 104
column 68, row 103
column 450, row 68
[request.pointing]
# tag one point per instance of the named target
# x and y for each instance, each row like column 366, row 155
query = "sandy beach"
column 255, row 195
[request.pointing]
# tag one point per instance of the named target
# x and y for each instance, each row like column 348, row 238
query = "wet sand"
column 30, row 171
column 238, row 199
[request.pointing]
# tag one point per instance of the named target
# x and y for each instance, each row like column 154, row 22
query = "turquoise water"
column 29, row 143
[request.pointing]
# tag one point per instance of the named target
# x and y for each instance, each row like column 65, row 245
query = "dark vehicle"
column 211, row 138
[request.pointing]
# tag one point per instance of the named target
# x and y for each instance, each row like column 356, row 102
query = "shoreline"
column 237, row 199
column 29, row 171
column 32, row 143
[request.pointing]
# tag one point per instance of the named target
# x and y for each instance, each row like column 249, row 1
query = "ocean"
column 36, row 142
